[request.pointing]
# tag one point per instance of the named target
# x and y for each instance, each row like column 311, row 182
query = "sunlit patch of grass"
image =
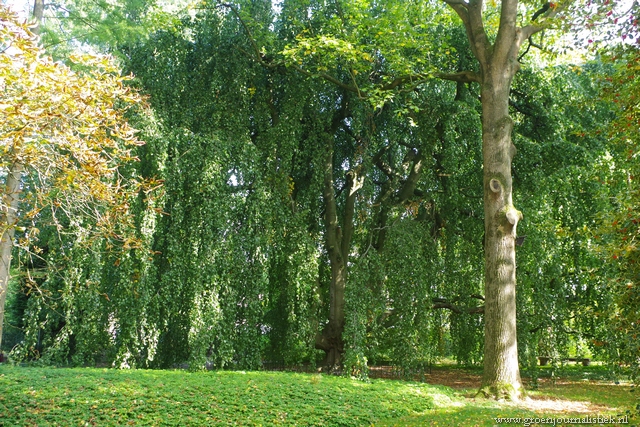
column 609, row 395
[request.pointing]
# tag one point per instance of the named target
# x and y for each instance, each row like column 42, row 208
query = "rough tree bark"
column 498, row 64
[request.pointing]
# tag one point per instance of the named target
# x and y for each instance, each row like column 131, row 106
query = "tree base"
column 501, row 392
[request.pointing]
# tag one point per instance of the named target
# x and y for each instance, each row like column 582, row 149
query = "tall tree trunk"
column 501, row 372
column 8, row 219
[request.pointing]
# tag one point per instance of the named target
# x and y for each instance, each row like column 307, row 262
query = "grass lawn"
column 32, row 396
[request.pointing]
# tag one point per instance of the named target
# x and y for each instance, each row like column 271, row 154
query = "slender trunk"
column 37, row 15
column 501, row 372
column 338, row 246
column 8, row 219
column 330, row 340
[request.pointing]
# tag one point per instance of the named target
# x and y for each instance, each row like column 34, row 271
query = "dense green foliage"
column 620, row 225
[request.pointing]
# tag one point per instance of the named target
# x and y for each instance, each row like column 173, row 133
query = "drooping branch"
column 440, row 303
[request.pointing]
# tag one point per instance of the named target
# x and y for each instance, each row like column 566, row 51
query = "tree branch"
column 458, row 310
column 462, row 76
column 478, row 39
column 439, row 303
column 408, row 187
column 326, row 77
column 506, row 31
column 385, row 168
column 550, row 13
column 252, row 40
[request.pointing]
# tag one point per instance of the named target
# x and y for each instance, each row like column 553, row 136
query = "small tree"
column 63, row 138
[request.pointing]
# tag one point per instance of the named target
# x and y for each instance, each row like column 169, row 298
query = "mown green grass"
column 49, row 396
column 104, row 397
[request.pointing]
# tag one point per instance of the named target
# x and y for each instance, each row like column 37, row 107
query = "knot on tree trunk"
column 495, row 186
column 511, row 218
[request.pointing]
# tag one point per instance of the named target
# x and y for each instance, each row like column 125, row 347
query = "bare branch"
column 470, row 12
column 506, row 31
column 531, row 43
column 462, row 76
column 462, row 10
